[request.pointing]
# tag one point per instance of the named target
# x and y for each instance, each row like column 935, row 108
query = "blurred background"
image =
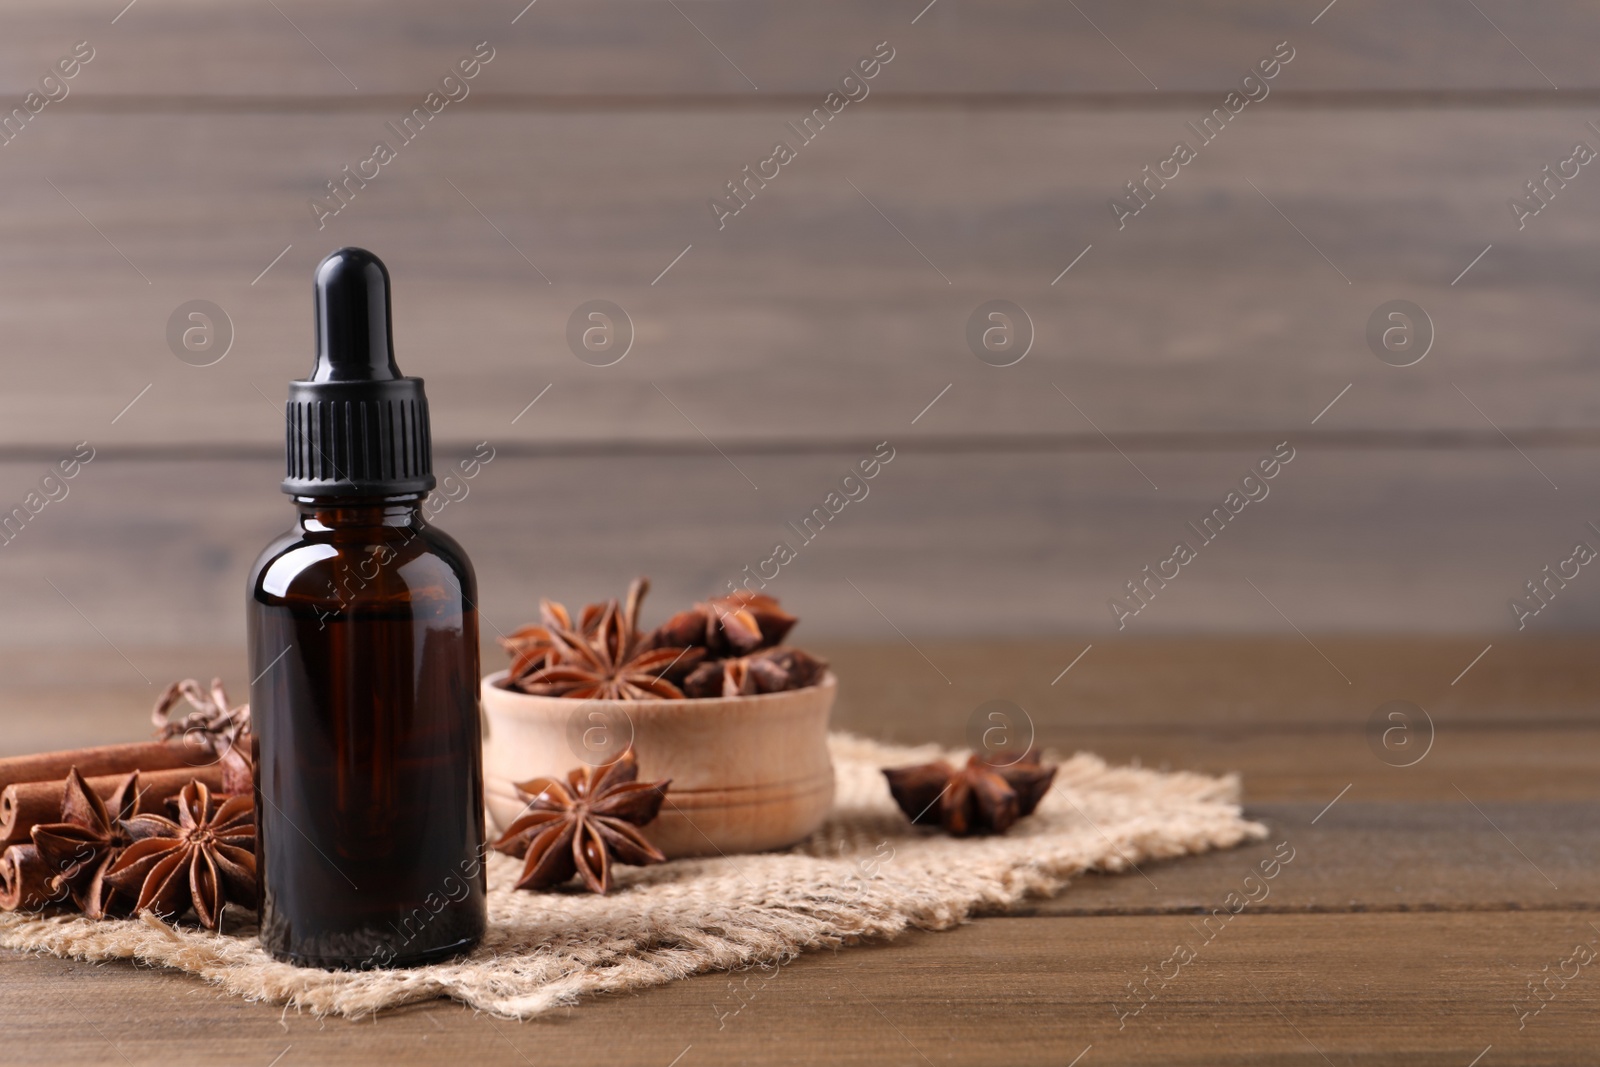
column 769, row 351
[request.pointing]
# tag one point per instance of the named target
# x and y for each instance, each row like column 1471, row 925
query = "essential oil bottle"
column 363, row 635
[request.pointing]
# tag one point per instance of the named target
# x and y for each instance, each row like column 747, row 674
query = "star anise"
column 205, row 860
column 987, row 796
column 584, row 825
column 81, row 848
column 614, row 662
column 736, row 624
column 771, row 670
column 535, row 645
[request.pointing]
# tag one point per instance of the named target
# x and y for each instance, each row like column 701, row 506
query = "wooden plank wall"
column 827, row 315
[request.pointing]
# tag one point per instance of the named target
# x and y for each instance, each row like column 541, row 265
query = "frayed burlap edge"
column 865, row 874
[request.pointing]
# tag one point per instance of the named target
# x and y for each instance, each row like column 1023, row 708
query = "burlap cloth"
column 866, row 874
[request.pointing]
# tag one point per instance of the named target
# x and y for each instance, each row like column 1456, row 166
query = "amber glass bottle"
column 364, row 648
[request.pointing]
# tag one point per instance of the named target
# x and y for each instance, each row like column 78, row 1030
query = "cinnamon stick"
column 102, row 760
column 24, row 879
column 26, row 804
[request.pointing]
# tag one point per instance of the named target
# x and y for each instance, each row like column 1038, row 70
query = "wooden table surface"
column 1420, row 902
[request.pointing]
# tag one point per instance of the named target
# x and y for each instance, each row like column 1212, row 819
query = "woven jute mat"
column 866, row 874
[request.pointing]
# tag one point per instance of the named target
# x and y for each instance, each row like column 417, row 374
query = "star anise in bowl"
column 584, row 825
column 732, row 625
column 723, row 647
column 610, row 661
column 535, row 645
column 986, row 796
column 771, row 670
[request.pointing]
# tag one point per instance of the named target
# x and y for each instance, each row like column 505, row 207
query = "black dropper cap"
column 356, row 426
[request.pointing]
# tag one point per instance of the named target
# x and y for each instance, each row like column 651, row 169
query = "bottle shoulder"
column 447, row 547
column 382, row 563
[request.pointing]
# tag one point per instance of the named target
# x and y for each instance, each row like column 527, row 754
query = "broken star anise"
column 205, row 860
column 86, row 842
column 732, row 625
column 987, row 796
column 584, row 825
column 214, row 726
column 771, row 670
column 613, row 662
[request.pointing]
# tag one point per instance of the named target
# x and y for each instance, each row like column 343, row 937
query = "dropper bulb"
column 353, row 327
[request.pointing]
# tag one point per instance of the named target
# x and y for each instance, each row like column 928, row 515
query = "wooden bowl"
column 748, row 773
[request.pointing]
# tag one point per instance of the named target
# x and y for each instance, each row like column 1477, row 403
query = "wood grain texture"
column 157, row 552
column 1360, row 856
column 1519, row 726
column 1368, row 988
column 625, row 46
column 1207, row 313
column 1513, row 763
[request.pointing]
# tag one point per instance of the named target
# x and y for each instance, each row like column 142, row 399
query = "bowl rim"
column 829, row 685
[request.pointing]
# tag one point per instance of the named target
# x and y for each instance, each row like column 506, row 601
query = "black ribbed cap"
column 357, row 426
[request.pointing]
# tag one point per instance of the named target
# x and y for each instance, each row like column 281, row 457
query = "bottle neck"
column 324, row 514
